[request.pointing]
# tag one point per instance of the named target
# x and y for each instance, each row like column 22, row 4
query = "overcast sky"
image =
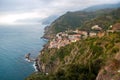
column 32, row 11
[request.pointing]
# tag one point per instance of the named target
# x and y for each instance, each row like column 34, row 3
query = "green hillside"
column 81, row 60
column 103, row 21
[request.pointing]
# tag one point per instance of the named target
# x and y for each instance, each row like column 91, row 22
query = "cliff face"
column 90, row 59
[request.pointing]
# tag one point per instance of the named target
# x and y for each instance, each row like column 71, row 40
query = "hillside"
column 89, row 59
column 103, row 21
column 83, row 20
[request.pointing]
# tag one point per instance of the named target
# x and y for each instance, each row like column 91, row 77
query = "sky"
column 34, row 11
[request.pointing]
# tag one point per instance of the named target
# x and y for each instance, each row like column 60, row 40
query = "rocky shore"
column 38, row 64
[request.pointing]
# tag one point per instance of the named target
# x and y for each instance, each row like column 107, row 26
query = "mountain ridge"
column 103, row 6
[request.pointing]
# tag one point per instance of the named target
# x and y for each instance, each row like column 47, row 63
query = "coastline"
column 36, row 64
column 35, row 61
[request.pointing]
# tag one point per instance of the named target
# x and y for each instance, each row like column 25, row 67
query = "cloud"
column 12, row 11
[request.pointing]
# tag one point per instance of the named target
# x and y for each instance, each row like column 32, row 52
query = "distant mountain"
column 103, row 6
column 52, row 18
column 49, row 20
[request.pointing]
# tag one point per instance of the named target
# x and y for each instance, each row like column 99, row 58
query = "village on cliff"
column 67, row 37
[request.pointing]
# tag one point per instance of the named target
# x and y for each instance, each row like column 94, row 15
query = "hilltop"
column 103, row 6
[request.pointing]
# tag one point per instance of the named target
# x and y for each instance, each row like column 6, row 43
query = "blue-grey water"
column 15, row 42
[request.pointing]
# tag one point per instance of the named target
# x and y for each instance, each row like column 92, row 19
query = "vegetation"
column 81, row 60
column 104, row 20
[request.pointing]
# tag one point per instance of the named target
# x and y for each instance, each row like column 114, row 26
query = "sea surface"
column 15, row 42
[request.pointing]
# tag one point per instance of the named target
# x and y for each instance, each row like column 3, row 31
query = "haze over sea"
column 15, row 42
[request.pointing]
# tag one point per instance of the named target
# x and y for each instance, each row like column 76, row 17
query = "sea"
column 15, row 42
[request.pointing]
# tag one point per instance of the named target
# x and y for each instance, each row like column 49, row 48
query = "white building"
column 96, row 27
column 92, row 34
